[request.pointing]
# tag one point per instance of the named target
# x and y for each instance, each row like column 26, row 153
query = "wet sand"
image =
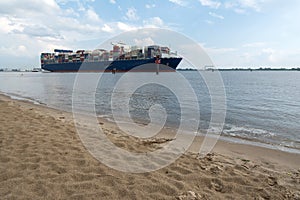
column 42, row 157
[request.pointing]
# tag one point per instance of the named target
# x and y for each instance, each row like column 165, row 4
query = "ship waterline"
column 141, row 65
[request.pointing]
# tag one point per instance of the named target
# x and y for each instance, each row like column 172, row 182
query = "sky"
column 234, row 33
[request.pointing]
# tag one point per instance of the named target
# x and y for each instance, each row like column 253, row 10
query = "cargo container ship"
column 121, row 58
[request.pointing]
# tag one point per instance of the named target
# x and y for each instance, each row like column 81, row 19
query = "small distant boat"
column 36, row 70
column 209, row 68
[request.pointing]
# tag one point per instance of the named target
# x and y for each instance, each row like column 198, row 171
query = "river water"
column 261, row 106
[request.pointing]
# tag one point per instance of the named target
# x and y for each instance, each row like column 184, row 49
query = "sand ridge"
column 42, row 157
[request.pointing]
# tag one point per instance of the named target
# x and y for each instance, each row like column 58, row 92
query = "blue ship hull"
column 142, row 65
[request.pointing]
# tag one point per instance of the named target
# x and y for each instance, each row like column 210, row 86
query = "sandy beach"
column 42, row 157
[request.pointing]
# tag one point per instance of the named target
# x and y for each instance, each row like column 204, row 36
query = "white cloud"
column 8, row 25
column 72, row 25
column 179, row 2
column 216, row 15
column 255, row 44
column 153, row 22
column 215, row 50
column 15, row 50
column 107, row 28
column 256, row 56
column 30, row 6
column 19, row 26
column 28, row 27
column 209, row 22
column 144, row 42
column 71, row 12
column 125, row 27
column 81, row 7
column 92, row 15
column 150, row 6
column 230, row 4
column 112, row 1
column 254, row 4
column 36, row 30
column 210, row 3
column 280, row 57
column 272, row 55
column 131, row 14
column 240, row 6
column 239, row 10
column 22, row 49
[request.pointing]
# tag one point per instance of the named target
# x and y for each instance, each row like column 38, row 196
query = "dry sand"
column 42, row 157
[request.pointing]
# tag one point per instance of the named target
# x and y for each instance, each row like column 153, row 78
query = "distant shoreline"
column 242, row 69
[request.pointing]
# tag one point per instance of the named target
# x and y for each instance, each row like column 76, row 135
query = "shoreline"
column 225, row 138
column 222, row 143
column 42, row 157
